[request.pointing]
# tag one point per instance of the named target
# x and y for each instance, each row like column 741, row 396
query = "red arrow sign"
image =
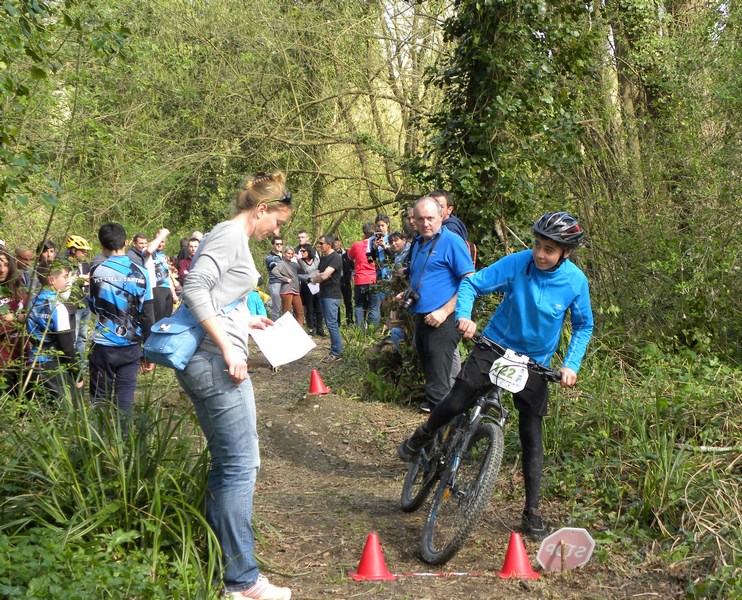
column 572, row 543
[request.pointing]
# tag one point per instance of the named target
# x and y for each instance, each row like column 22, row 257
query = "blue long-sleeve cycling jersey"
column 531, row 315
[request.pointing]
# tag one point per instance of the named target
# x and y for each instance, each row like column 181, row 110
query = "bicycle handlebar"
column 554, row 376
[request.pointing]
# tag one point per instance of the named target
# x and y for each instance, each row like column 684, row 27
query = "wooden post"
column 563, row 552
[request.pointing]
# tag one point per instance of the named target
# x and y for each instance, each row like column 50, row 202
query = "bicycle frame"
column 480, row 411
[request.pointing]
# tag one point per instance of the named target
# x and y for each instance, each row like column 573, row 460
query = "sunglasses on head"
column 263, row 176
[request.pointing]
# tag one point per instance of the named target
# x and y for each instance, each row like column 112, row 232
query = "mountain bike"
column 464, row 459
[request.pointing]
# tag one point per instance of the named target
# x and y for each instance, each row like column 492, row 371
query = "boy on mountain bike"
column 539, row 285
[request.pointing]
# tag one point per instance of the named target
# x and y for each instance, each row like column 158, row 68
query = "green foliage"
column 513, row 85
column 205, row 93
column 383, row 374
column 650, row 452
column 42, row 563
column 393, row 376
column 35, row 37
column 72, row 483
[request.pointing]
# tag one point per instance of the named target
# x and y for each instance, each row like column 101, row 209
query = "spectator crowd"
column 48, row 305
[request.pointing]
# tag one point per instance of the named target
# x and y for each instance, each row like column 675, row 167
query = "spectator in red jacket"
column 367, row 300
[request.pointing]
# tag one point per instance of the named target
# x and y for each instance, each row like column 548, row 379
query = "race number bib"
column 510, row 372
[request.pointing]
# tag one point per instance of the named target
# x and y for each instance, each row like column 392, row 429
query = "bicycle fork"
column 458, row 451
column 491, row 400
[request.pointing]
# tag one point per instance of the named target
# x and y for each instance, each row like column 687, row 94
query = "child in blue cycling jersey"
column 52, row 333
column 540, row 286
column 121, row 298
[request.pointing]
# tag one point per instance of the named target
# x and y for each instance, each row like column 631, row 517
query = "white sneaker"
column 262, row 589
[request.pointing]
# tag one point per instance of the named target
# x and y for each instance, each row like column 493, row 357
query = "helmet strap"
column 566, row 253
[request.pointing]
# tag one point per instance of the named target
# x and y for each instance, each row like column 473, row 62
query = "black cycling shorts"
column 533, row 399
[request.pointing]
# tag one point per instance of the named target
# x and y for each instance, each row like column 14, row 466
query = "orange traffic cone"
column 516, row 560
column 316, row 385
column 372, row 566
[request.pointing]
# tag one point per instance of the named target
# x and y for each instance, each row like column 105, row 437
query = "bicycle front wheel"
column 421, row 475
column 462, row 495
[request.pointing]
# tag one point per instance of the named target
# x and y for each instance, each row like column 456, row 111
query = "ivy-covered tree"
column 622, row 111
column 510, row 119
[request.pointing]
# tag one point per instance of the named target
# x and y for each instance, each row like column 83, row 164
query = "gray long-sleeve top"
column 223, row 270
column 287, row 269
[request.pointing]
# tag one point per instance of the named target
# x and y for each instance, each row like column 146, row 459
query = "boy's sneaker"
column 532, row 525
column 262, row 589
column 410, row 448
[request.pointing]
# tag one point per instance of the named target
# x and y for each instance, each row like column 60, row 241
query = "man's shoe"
column 426, row 407
column 331, row 358
column 262, row 589
column 410, row 448
column 532, row 525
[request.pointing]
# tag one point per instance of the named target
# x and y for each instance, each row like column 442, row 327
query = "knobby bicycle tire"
column 456, row 510
column 420, row 478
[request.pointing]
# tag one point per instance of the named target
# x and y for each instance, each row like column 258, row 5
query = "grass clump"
column 651, row 450
column 88, row 511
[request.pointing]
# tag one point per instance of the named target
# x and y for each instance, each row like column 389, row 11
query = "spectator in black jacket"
column 346, row 279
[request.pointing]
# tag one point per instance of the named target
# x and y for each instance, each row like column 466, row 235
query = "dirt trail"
column 330, row 477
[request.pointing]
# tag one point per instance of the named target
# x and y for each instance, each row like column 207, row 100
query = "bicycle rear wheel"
column 462, row 496
column 421, row 475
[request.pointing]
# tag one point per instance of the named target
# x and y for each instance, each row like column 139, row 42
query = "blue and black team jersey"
column 118, row 290
column 162, row 269
column 47, row 316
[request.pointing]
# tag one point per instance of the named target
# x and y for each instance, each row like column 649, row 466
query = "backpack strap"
column 472, row 247
column 232, row 305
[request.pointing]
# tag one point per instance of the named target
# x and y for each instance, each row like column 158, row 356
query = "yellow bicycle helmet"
column 78, row 243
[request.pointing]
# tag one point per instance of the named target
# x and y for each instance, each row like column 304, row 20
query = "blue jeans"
column 226, row 413
column 398, row 336
column 330, row 308
column 367, row 303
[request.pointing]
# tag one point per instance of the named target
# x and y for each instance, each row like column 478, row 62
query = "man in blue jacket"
column 540, row 286
column 438, row 262
column 449, row 220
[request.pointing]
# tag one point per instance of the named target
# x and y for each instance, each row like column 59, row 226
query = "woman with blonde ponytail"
column 216, row 378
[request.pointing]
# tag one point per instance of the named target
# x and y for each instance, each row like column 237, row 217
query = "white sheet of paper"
column 283, row 342
column 314, row 288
